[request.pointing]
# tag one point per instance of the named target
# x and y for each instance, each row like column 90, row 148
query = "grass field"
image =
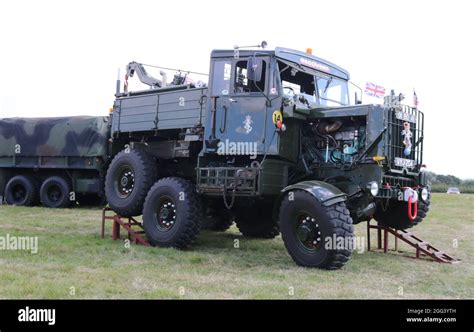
column 74, row 262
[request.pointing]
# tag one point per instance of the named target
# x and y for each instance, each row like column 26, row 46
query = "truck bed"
column 160, row 109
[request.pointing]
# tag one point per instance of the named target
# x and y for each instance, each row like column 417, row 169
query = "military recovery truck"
column 55, row 161
column 274, row 145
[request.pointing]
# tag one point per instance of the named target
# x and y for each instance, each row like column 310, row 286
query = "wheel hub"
column 126, row 182
column 54, row 194
column 166, row 215
column 304, row 232
column 308, row 232
column 19, row 193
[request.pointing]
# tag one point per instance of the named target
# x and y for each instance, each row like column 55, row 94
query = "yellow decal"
column 277, row 116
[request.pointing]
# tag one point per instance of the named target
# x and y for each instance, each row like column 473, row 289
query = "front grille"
column 394, row 142
column 397, row 181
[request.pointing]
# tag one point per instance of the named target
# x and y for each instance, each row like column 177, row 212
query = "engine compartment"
column 335, row 141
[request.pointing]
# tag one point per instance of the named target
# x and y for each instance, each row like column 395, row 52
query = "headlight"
column 424, row 194
column 373, row 187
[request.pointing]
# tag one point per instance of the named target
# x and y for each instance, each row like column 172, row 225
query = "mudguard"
column 325, row 193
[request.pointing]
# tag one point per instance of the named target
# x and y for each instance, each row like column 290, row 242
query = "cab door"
column 240, row 115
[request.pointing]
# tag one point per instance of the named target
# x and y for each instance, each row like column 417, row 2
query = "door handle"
column 232, row 100
column 223, row 119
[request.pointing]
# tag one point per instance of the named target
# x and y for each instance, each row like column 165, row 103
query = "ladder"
column 133, row 227
column 423, row 248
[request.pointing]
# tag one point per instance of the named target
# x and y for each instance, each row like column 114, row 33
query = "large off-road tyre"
column 396, row 214
column 316, row 235
column 129, row 178
column 217, row 221
column 21, row 190
column 257, row 221
column 172, row 213
column 55, row 192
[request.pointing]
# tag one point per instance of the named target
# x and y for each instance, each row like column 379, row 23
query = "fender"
column 325, row 193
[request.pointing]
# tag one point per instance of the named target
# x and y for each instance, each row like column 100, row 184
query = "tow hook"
column 412, row 208
column 411, row 197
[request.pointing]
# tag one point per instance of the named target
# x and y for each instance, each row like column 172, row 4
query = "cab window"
column 221, row 78
column 242, row 84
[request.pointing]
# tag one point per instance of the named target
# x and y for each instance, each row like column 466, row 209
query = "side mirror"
column 254, row 69
column 356, row 100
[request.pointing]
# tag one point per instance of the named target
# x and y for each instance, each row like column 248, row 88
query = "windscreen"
column 317, row 88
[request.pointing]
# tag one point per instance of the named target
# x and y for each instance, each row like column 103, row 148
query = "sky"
column 60, row 58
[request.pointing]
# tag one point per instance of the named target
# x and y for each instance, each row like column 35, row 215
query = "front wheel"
column 316, row 235
column 172, row 213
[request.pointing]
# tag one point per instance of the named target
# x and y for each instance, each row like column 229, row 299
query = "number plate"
column 405, row 116
column 401, row 162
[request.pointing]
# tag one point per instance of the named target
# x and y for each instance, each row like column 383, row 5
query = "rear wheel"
column 21, row 190
column 217, row 220
column 55, row 192
column 257, row 221
column 129, row 177
column 396, row 214
column 316, row 235
column 172, row 213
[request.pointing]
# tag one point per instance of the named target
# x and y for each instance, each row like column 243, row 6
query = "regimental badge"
column 248, row 124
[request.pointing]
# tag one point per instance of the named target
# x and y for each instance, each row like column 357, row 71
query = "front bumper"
column 402, row 194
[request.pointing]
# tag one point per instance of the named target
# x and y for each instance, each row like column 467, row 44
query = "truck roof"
column 294, row 56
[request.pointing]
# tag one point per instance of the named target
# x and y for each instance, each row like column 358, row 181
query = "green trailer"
column 53, row 161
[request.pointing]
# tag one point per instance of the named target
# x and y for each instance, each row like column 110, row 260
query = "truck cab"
column 247, row 89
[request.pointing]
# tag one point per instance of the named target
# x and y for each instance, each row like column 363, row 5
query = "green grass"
column 72, row 254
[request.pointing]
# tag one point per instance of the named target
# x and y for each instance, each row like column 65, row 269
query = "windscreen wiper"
column 327, row 85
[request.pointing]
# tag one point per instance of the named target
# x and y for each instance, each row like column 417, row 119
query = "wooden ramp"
column 422, row 248
column 133, row 227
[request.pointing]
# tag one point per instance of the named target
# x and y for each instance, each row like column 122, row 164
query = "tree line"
column 441, row 183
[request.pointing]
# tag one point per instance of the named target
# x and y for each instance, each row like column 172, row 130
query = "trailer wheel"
column 55, row 191
column 257, row 221
column 172, row 213
column 21, row 190
column 316, row 235
column 129, row 177
column 396, row 216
